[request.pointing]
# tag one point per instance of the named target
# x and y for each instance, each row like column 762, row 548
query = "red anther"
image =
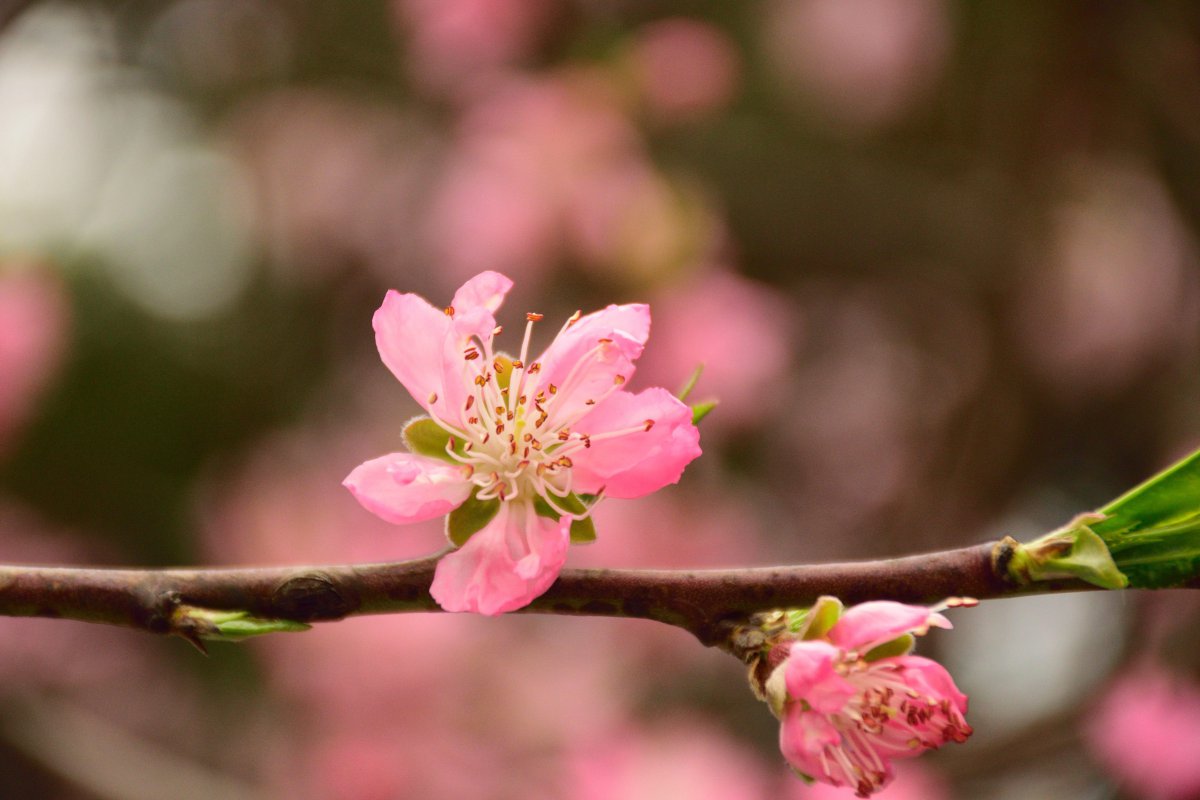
column 533, row 316
column 448, row 311
column 649, row 424
column 432, row 398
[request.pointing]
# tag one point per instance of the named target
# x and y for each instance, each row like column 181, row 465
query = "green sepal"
column 815, row 622
column 702, row 410
column 1072, row 551
column 690, row 383
column 900, row 646
column 469, row 518
column 583, row 531
column 425, row 437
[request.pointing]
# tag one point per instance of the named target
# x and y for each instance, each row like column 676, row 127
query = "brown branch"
column 705, row 602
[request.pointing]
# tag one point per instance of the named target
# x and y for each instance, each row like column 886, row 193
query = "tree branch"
column 708, row 603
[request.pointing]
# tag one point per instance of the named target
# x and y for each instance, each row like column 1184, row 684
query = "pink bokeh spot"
column 845, row 719
column 1146, row 733
column 684, row 68
column 526, row 432
column 33, row 327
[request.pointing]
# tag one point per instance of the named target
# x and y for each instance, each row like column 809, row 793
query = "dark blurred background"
column 939, row 258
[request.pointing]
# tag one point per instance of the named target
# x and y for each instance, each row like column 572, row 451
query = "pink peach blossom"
column 846, row 715
column 1146, row 731
column 523, row 439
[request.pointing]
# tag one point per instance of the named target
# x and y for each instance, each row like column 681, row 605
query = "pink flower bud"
column 847, row 715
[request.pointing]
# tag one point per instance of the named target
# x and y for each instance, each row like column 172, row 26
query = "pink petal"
column 803, row 737
column 932, row 680
column 403, row 488
column 643, row 460
column 486, row 290
column 504, row 566
column 475, row 304
column 871, row 624
column 412, row 336
column 627, row 326
column 810, row 675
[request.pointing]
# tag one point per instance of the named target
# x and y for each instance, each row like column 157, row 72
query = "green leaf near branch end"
column 1153, row 530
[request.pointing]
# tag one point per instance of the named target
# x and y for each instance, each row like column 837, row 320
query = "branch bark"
column 708, row 603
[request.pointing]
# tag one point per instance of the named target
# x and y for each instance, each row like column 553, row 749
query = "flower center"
column 514, row 430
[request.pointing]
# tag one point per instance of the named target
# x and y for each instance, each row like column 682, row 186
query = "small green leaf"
column 238, row 629
column 468, row 519
column 425, row 437
column 899, row 646
column 702, row 410
column 690, row 383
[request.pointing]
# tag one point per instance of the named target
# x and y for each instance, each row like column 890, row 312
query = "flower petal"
column 627, row 326
column 411, row 336
column 486, row 290
column 403, row 487
column 868, row 625
column 803, row 738
column 643, row 460
column 506, row 565
column 811, row 676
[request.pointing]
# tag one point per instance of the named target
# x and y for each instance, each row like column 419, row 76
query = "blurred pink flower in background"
column 862, row 62
column 845, row 717
column 683, row 69
column 1113, row 290
column 452, row 42
column 912, row 782
column 284, row 505
column 561, row 424
column 552, row 168
column 741, row 331
column 680, row 758
column 1145, row 731
column 334, row 180
column 34, row 322
column 674, row 529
